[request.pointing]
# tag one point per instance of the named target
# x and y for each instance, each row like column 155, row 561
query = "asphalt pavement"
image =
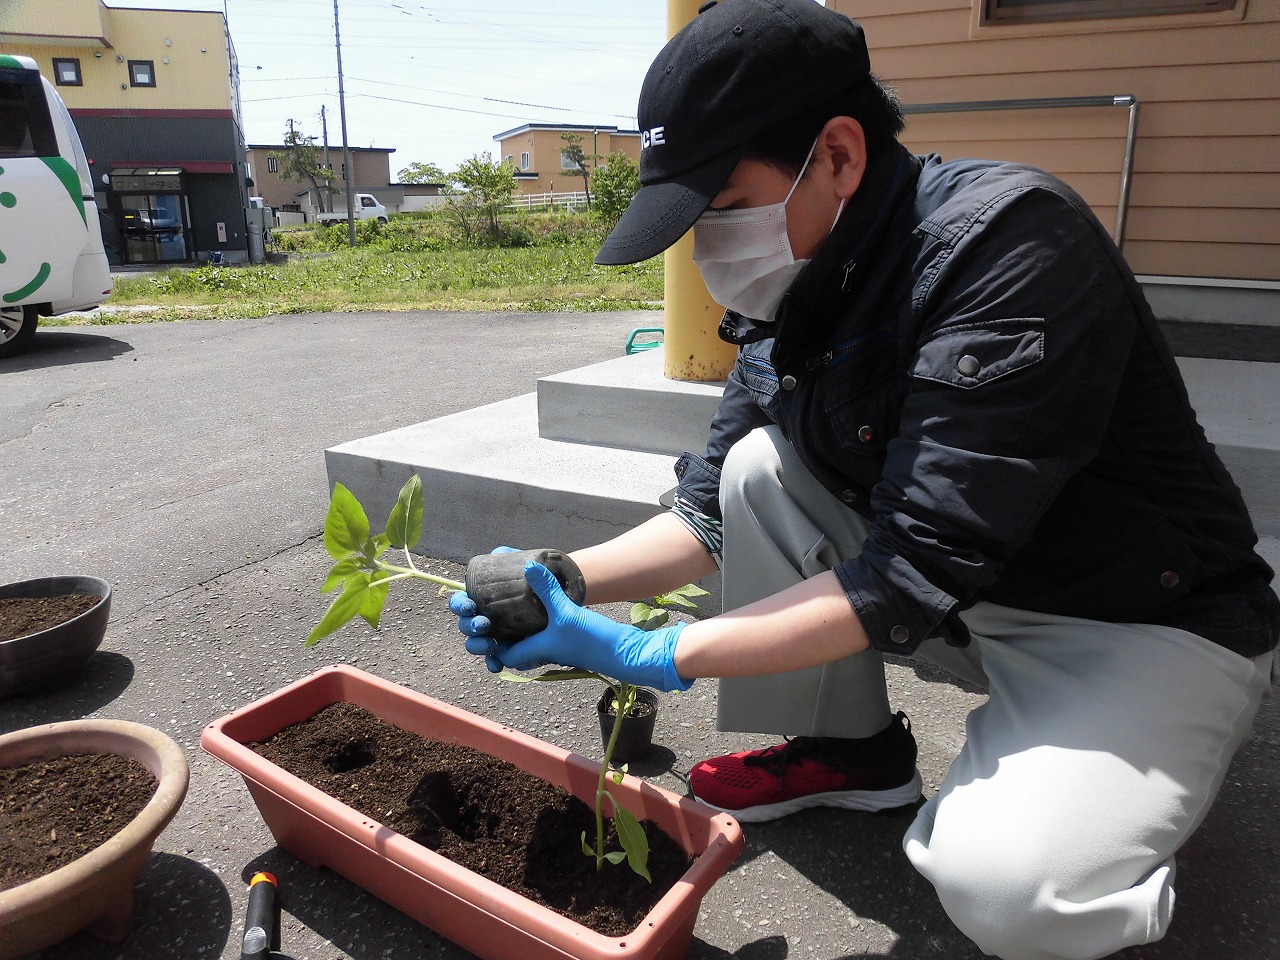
column 184, row 464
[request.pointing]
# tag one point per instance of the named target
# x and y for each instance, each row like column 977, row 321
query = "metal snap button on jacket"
column 968, row 365
column 865, row 433
column 849, row 496
column 788, row 382
column 899, row 634
column 1168, row 579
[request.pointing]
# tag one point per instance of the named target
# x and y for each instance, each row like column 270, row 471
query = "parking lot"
column 184, row 464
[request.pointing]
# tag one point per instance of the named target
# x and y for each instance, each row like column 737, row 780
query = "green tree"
column 423, row 173
column 482, row 189
column 301, row 160
column 616, row 183
column 574, row 154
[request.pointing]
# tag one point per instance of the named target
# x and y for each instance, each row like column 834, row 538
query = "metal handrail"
column 1049, row 103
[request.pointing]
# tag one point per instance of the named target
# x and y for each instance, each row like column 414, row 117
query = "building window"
column 567, row 162
column 66, row 72
column 524, row 160
column 1036, row 11
column 142, row 73
column 273, row 165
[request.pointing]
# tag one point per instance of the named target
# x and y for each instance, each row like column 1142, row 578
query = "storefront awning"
column 127, row 169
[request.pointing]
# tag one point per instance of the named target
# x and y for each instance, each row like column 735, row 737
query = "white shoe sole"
column 868, row 800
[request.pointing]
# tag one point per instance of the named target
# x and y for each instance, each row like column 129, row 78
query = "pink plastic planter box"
column 478, row 914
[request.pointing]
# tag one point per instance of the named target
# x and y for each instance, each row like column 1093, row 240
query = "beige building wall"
column 544, row 147
column 1205, row 193
column 79, row 21
column 188, row 52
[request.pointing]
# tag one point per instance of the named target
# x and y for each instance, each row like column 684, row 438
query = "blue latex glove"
column 578, row 637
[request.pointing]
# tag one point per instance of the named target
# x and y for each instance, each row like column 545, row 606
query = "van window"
column 25, row 127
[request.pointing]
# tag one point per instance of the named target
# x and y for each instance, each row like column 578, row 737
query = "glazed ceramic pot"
column 46, row 658
column 95, row 891
column 484, row 917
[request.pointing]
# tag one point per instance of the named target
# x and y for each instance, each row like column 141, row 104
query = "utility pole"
column 328, row 187
column 346, row 149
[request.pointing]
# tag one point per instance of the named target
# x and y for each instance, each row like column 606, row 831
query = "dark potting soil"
column 20, row 616
column 56, row 811
column 480, row 812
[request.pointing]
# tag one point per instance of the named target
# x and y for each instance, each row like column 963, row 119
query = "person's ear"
column 846, row 146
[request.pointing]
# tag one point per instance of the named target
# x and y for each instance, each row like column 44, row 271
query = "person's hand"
column 578, row 637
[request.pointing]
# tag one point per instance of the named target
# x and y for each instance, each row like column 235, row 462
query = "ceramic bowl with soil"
column 81, row 805
column 48, row 627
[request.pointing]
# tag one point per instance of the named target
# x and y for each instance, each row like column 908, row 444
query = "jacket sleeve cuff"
column 699, row 485
column 898, row 608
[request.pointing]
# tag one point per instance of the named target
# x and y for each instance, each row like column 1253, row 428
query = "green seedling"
column 635, row 846
column 365, row 578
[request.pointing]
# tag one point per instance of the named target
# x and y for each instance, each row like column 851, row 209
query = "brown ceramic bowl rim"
column 100, row 588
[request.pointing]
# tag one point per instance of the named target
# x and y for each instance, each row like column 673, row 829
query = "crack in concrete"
column 149, row 604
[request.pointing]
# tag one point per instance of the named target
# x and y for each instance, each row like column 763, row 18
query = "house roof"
column 281, row 146
column 574, row 127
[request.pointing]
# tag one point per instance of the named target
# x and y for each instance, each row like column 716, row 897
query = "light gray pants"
column 1098, row 752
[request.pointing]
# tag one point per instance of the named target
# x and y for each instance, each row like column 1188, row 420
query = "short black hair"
column 871, row 102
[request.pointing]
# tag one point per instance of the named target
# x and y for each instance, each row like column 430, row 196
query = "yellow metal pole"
column 692, row 349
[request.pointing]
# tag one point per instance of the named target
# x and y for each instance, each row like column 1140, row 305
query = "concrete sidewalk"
column 182, row 463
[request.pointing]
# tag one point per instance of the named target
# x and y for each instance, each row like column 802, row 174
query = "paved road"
column 183, row 462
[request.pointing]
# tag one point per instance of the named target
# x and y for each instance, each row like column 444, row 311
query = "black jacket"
column 969, row 363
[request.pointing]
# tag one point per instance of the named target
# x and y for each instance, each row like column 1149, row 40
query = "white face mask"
column 745, row 255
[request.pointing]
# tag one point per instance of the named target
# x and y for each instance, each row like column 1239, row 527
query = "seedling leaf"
column 680, row 597
column 616, row 856
column 346, row 527
column 344, row 607
column 568, row 673
column 375, row 596
column 645, row 617
column 404, row 526
column 340, row 571
column 633, row 840
column 586, row 847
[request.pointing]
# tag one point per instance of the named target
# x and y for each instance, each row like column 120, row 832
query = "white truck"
column 51, row 255
column 366, row 207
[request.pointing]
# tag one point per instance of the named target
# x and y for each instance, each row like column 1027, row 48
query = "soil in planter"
column 55, row 811
column 480, row 812
column 20, row 616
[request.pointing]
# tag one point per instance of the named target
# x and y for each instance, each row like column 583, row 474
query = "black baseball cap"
column 737, row 69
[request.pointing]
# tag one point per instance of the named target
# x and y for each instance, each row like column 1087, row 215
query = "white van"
column 51, row 255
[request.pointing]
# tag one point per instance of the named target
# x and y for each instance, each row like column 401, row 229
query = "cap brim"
column 661, row 213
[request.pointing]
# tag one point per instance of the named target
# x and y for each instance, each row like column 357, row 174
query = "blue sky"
column 436, row 79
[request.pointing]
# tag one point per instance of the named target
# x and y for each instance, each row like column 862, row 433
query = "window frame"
column 59, row 63
column 150, row 66
column 525, row 160
column 1029, row 12
column 273, row 165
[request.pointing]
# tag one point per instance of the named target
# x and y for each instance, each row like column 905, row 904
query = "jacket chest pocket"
column 973, row 355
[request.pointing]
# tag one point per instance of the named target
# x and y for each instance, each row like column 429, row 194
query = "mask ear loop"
column 805, row 166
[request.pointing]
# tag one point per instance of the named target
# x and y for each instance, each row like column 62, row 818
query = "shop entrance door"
column 155, row 230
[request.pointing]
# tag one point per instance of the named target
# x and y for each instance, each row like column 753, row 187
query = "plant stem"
column 405, row 573
column 623, row 691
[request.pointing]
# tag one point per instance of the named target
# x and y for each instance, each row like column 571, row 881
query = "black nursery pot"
column 635, row 739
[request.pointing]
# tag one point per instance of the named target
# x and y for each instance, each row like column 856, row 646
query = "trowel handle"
column 259, row 918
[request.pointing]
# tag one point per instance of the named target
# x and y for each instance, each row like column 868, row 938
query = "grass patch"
column 554, row 272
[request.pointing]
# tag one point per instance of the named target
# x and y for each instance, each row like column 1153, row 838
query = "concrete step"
column 627, row 403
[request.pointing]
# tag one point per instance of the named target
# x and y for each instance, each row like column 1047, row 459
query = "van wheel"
column 17, row 327
column 382, row 221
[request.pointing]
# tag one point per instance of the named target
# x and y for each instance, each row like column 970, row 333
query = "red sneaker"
column 875, row 773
